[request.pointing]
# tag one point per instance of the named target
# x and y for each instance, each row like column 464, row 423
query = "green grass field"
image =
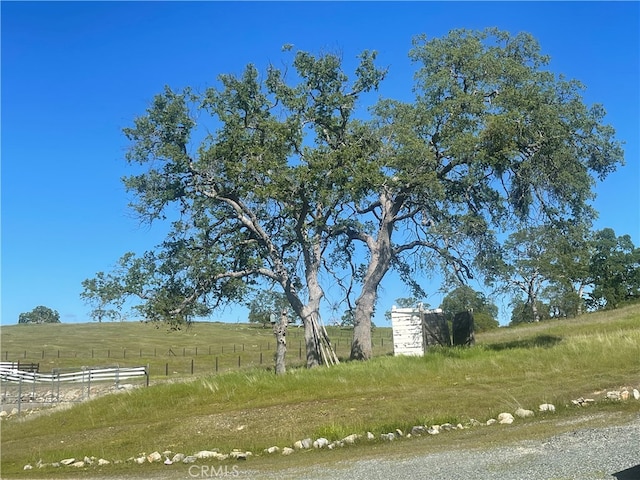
column 167, row 353
column 252, row 409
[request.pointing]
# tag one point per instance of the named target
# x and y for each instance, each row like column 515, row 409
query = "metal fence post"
column 20, row 395
column 58, row 386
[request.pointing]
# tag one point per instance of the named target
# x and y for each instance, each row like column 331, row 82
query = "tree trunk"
column 381, row 252
column 308, row 313
column 534, row 311
column 312, row 259
column 280, row 331
column 311, row 340
column 532, row 297
column 361, row 348
column 580, row 293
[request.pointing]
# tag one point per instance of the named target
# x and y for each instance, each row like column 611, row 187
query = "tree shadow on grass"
column 543, row 341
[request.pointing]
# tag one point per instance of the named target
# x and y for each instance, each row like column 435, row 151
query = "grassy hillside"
column 253, row 409
column 134, row 344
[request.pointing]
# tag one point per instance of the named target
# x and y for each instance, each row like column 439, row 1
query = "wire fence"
column 77, row 374
column 177, row 351
column 184, row 359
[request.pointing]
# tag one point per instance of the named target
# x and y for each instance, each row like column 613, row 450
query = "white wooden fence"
column 19, row 386
column 9, row 372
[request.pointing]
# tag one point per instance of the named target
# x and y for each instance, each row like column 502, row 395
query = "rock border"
column 169, row 458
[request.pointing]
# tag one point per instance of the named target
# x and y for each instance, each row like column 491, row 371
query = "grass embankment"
column 252, row 409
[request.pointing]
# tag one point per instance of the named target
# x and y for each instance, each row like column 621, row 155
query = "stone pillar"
column 463, row 331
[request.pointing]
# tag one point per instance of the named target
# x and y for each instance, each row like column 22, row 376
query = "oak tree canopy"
column 279, row 179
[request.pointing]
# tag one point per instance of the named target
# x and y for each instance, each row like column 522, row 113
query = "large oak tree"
column 275, row 179
column 251, row 174
column 491, row 140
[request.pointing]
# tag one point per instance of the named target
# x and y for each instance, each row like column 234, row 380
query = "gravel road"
column 585, row 454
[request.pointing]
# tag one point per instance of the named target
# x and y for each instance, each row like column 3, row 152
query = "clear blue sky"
column 74, row 74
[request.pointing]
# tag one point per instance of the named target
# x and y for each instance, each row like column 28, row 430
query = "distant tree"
column 151, row 278
column 563, row 300
column 520, row 268
column 464, row 298
column 522, row 311
column 566, row 265
column 545, row 262
column 40, row 314
column 268, row 305
column 347, row 318
column 615, row 269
